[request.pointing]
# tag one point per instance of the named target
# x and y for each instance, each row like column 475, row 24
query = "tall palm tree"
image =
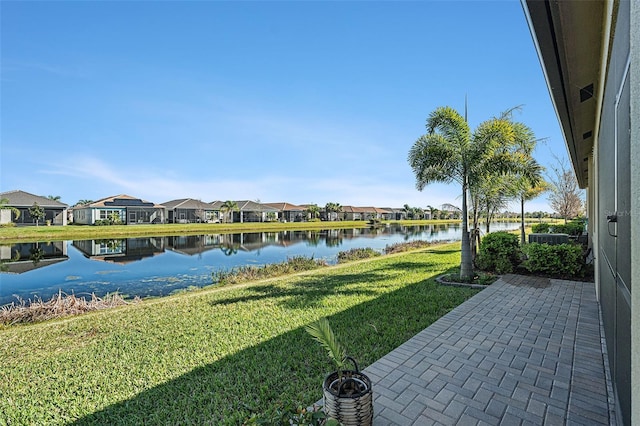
column 407, row 210
column 332, row 210
column 529, row 183
column 228, row 207
column 450, row 152
column 432, row 211
column 4, row 205
column 313, row 211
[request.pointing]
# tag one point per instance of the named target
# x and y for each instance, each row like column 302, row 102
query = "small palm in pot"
column 347, row 393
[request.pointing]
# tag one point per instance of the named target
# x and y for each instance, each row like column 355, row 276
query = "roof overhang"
column 571, row 38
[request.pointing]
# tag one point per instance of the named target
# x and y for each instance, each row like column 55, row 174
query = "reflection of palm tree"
column 334, row 238
column 228, row 207
column 313, row 238
column 229, row 248
column 36, row 254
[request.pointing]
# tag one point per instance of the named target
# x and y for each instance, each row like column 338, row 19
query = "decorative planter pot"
column 350, row 399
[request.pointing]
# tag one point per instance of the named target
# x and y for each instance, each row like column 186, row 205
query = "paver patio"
column 525, row 350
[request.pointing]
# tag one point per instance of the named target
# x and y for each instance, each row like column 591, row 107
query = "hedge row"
column 575, row 227
column 500, row 252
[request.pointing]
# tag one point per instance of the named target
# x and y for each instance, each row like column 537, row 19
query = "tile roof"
column 188, row 203
column 124, row 199
column 19, row 198
column 284, row 206
column 246, row 205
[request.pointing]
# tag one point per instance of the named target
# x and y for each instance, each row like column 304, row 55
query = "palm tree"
column 450, row 152
column 408, row 210
column 54, row 197
column 4, row 205
column 312, row 211
column 432, row 212
column 83, row 202
column 418, row 213
column 334, row 208
column 228, row 207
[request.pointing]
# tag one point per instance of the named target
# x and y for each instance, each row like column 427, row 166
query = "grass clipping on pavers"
column 60, row 305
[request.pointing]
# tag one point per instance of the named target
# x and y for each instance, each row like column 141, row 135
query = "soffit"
column 570, row 41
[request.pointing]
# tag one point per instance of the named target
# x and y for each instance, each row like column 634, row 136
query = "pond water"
column 158, row 266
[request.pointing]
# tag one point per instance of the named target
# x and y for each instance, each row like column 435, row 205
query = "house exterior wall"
column 614, row 198
column 5, row 216
column 53, row 216
column 82, row 216
column 635, row 209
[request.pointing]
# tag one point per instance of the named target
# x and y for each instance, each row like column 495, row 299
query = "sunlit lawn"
column 217, row 356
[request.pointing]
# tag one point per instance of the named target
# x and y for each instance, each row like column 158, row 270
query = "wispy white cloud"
column 98, row 179
column 10, row 66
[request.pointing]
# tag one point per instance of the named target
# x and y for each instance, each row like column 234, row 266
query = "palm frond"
column 434, row 159
column 321, row 331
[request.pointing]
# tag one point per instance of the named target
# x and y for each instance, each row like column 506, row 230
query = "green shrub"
column 256, row 272
column 562, row 260
column 540, row 228
column 575, row 227
column 499, row 252
column 409, row 245
column 357, row 254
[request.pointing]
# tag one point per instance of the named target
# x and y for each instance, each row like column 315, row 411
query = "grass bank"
column 219, row 355
column 78, row 232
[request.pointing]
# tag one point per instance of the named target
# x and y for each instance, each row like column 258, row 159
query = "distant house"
column 288, row 212
column 383, row 213
column 55, row 212
column 353, row 213
column 366, row 213
column 395, row 214
column 248, row 211
column 129, row 210
column 188, row 210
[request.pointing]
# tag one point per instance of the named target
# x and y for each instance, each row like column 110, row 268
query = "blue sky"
column 304, row 102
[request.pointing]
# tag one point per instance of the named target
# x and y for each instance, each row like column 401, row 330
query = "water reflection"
column 121, row 251
column 155, row 266
column 24, row 257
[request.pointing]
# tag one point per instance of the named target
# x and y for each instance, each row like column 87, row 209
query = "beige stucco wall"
column 5, row 216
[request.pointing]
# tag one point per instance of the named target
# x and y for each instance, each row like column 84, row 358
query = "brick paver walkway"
column 523, row 351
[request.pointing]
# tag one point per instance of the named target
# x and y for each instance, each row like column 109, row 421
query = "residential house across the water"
column 247, row 211
column 288, row 212
column 189, row 210
column 55, row 212
column 125, row 208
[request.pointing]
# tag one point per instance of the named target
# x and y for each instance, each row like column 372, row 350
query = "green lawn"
column 218, row 355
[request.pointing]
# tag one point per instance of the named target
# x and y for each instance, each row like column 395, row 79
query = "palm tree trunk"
column 522, row 238
column 466, row 263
